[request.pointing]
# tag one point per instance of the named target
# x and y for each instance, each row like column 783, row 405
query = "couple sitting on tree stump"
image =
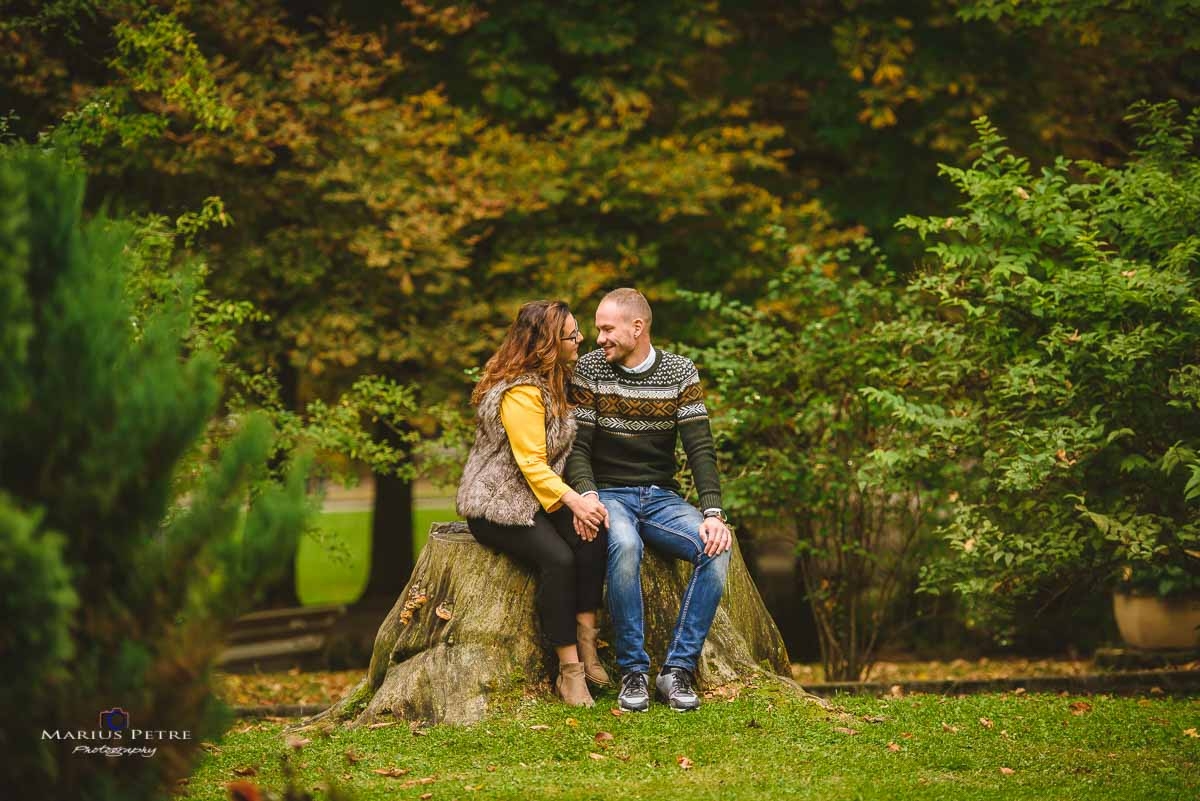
column 572, row 470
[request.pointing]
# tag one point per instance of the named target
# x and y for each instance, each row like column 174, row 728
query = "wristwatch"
column 717, row 513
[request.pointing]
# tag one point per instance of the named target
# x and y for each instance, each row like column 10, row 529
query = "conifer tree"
column 114, row 590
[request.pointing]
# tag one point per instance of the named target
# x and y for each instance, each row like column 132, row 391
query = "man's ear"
column 639, row 327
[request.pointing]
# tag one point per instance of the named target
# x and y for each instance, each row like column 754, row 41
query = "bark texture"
column 465, row 631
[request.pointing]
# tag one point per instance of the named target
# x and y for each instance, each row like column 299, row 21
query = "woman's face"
column 569, row 339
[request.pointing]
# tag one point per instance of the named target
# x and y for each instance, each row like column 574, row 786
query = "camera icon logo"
column 115, row 719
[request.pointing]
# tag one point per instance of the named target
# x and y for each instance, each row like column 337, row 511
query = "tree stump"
column 465, row 630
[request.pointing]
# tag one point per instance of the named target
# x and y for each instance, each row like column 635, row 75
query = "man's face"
column 617, row 332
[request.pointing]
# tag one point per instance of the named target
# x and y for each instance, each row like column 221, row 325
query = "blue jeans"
column 671, row 526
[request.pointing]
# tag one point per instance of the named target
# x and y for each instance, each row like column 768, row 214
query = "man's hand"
column 590, row 514
column 586, row 531
column 716, row 536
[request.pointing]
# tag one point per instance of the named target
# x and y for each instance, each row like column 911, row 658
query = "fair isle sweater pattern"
column 628, row 423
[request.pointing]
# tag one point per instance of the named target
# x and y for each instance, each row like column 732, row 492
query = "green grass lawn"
column 764, row 745
column 333, row 568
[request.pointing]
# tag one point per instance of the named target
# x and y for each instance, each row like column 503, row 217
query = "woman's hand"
column 590, row 514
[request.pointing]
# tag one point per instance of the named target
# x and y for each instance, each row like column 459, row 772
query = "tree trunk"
column 391, row 540
column 465, row 630
column 282, row 593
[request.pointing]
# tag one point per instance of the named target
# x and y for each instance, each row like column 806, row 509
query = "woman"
column 513, row 496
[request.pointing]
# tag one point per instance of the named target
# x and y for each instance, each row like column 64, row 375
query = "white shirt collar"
column 645, row 365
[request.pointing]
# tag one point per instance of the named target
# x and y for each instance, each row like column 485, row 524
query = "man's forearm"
column 697, row 439
column 579, row 462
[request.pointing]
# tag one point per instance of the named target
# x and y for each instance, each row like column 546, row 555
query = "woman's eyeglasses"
column 575, row 336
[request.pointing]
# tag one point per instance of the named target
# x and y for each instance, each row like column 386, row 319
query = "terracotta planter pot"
column 1153, row 623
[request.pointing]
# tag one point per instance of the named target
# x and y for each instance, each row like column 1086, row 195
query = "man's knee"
column 623, row 540
column 624, row 552
column 718, row 565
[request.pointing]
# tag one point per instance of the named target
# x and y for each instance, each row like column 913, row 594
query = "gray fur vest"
column 493, row 486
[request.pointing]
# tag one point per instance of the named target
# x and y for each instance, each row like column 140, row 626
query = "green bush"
column 1049, row 352
column 115, row 590
column 805, row 451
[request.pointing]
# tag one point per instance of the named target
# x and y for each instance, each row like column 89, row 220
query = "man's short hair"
column 632, row 302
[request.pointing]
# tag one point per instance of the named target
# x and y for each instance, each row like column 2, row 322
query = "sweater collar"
column 643, row 370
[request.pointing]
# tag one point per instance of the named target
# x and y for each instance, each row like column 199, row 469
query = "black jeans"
column 570, row 572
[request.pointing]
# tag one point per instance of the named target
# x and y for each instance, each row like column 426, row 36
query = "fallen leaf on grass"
column 875, row 719
column 603, row 736
column 383, row 725
column 392, row 772
column 297, row 742
column 907, row 735
column 1080, row 708
column 986, row 723
column 491, row 768
column 539, row 727
column 949, row 728
column 243, row 791
column 1007, row 771
column 893, row 747
column 245, row 770
column 470, row 788
column 353, row 757
column 844, row 730
column 1019, row 691
column 684, row 762
column 896, row 691
column 595, row 756
column 616, row 712
column 417, row 782
column 571, row 722
column 211, row 748
column 1191, row 733
column 425, row 796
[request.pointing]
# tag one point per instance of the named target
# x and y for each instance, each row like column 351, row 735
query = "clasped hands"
column 590, row 514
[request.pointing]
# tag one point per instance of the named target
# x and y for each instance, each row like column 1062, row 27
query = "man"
column 633, row 400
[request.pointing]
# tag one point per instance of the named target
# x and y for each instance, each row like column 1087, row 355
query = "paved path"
column 361, row 497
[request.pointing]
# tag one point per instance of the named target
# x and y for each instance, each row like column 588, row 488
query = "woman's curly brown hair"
column 531, row 346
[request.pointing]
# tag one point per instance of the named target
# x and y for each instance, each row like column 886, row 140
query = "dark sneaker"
column 674, row 686
column 635, row 692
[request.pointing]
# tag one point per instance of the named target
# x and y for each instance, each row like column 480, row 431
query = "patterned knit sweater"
column 628, row 422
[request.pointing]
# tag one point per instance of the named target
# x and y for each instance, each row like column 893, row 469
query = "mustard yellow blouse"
column 524, row 417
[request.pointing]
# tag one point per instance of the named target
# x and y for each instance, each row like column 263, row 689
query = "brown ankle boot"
column 586, row 637
column 572, row 686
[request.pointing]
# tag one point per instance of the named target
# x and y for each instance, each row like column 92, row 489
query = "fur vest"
column 493, row 486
